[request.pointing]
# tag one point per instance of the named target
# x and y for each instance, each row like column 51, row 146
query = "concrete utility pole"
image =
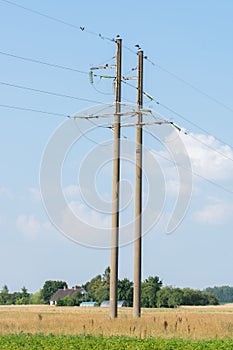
column 115, row 188
column 138, row 196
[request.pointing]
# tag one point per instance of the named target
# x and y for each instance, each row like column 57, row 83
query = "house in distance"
column 62, row 293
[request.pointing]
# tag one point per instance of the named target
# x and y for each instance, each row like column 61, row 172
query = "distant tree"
column 169, row 297
column 92, row 286
column 125, row 291
column 150, row 287
column 36, row 298
column 5, row 290
column 163, row 296
column 23, row 297
column 77, row 298
column 102, row 293
column 224, row 293
column 5, row 297
column 194, row 297
column 49, row 288
column 98, row 288
column 66, row 301
column 212, row 299
column 106, row 276
column 173, row 297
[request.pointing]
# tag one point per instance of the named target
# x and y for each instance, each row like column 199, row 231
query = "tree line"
column 153, row 293
column 224, row 293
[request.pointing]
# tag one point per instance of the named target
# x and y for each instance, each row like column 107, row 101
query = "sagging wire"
column 34, row 110
column 179, row 115
column 84, row 134
column 91, row 80
column 49, row 92
column 99, row 35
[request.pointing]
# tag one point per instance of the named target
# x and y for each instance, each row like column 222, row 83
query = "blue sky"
column 190, row 40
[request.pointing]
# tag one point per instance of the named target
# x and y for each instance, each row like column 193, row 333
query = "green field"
column 51, row 342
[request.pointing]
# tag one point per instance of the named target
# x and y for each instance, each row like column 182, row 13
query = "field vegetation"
column 86, row 342
column 211, row 322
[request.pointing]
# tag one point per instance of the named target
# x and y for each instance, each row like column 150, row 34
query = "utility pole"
column 115, row 188
column 138, row 196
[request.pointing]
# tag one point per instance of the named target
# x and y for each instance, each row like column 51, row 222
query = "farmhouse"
column 62, row 293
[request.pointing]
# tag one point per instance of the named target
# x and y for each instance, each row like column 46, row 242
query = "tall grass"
column 186, row 323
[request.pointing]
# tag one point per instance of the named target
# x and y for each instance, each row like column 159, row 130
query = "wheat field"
column 183, row 322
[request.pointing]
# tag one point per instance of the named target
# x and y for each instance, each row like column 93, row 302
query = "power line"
column 87, row 137
column 97, row 75
column 194, row 173
column 169, row 160
column 211, row 148
column 179, row 115
column 58, row 20
column 33, row 110
column 49, row 92
column 192, row 123
column 99, row 35
column 192, row 86
column 206, row 145
column 28, row 59
column 195, row 88
column 54, row 65
column 101, row 92
column 86, row 73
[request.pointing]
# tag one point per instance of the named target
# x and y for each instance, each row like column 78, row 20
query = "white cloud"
column 208, row 157
column 215, row 212
column 90, row 216
column 30, row 226
column 214, row 165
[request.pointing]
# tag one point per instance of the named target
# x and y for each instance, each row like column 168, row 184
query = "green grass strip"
column 86, row 342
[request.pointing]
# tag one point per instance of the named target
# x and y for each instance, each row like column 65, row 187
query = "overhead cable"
column 49, row 92
column 33, row 110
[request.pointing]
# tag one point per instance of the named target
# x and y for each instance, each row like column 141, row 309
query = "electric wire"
column 33, row 110
column 106, row 61
column 192, row 123
column 88, row 137
column 91, row 101
column 193, row 172
column 53, row 65
column 181, row 116
column 169, row 160
column 106, row 127
column 126, row 47
column 190, row 85
column 49, row 92
column 28, row 59
column 97, row 75
column 210, row 147
column 101, row 92
column 99, row 35
column 58, row 20
column 205, row 144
